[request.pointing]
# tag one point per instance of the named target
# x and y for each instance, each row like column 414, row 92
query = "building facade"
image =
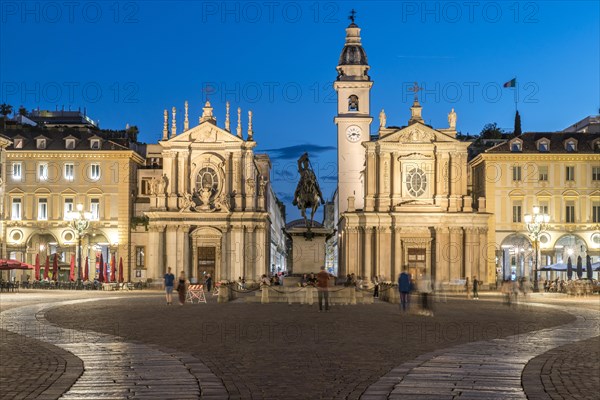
column 556, row 171
column 205, row 204
column 4, row 142
column 52, row 170
column 402, row 194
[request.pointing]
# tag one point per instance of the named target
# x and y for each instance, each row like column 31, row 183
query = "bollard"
column 265, row 295
column 353, row 296
column 223, row 296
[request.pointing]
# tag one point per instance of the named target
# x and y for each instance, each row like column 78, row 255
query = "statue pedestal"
column 308, row 248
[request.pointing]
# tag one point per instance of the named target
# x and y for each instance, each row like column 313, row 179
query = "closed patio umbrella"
column 588, row 267
column 121, row 278
column 569, row 269
column 86, row 276
column 37, row 267
column 72, row 268
column 112, row 269
column 46, row 268
column 101, row 269
column 55, row 268
column 579, row 267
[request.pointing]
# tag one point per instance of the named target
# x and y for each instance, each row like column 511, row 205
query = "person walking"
column 169, row 281
column 208, row 282
column 181, row 288
column 376, row 287
column 424, row 286
column 476, row 288
column 323, row 288
column 404, row 288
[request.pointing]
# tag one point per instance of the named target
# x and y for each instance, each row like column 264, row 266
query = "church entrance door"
column 206, row 262
column 416, row 262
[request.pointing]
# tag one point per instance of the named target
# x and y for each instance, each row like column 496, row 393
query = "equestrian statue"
column 308, row 194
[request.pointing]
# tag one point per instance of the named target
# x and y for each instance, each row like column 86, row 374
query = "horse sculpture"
column 308, row 194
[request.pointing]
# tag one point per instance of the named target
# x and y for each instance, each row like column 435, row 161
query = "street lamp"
column 79, row 221
column 536, row 223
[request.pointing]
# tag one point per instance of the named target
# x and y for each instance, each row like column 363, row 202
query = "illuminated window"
column 570, row 173
column 16, row 171
column 95, row 209
column 70, row 144
column 516, row 173
column 16, row 210
column 140, row 256
column 69, row 171
column 95, row 172
column 543, row 173
column 41, row 144
column 43, row 171
column 42, row 210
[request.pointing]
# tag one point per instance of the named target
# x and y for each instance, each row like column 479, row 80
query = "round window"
column 68, row 236
column 16, row 236
column 596, row 239
column 416, row 182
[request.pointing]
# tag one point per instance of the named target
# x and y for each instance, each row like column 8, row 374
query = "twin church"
column 202, row 200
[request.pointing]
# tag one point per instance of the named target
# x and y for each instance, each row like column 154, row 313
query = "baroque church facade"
column 402, row 195
column 206, row 205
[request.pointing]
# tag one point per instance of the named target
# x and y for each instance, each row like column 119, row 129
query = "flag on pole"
column 511, row 83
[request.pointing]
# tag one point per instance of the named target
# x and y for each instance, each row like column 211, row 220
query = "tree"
column 22, row 111
column 491, row 131
column 5, row 110
column 517, row 131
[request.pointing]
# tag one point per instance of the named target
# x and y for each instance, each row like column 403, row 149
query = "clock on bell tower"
column 353, row 120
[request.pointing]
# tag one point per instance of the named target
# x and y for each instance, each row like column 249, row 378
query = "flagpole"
column 516, row 96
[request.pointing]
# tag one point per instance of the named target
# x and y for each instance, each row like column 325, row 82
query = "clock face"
column 353, row 133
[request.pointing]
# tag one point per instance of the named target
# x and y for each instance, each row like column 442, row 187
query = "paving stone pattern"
column 484, row 369
column 32, row 369
column 113, row 368
column 280, row 351
column 567, row 372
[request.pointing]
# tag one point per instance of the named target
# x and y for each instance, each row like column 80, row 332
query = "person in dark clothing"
column 404, row 287
column 476, row 288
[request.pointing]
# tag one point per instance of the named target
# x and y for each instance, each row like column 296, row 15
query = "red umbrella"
column 101, row 269
column 112, row 268
column 46, row 268
column 86, row 277
column 72, row 270
column 6, row 265
column 121, row 279
column 55, row 268
column 37, row 267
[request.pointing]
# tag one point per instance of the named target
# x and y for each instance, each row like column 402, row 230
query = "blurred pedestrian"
column 468, row 287
column 376, row 287
column 404, row 288
column 182, row 288
column 208, row 282
column 424, row 286
column 323, row 288
column 476, row 287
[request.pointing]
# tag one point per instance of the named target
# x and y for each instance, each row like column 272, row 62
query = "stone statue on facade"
column 204, row 195
column 382, row 119
column 188, row 203
column 308, row 193
column 452, row 119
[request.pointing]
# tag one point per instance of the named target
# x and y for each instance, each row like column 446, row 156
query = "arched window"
column 353, row 103
column 207, row 178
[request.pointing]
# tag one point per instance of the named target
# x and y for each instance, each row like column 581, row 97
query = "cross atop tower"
column 416, row 89
column 352, row 16
column 207, row 90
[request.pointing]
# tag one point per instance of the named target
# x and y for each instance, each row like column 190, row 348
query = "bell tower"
column 353, row 120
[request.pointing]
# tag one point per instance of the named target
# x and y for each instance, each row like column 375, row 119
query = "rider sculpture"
column 308, row 194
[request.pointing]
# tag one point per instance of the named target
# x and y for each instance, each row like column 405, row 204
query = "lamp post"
column 79, row 221
column 536, row 223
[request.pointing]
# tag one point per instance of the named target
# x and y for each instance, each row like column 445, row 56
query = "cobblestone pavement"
column 277, row 351
column 280, row 351
column 567, row 372
column 488, row 369
column 114, row 369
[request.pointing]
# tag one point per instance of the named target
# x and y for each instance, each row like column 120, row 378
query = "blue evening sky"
column 127, row 61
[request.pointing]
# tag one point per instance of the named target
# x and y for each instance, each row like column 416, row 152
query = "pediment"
column 416, row 133
column 543, row 193
column 68, row 192
column 516, row 193
column 206, row 133
column 570, row 193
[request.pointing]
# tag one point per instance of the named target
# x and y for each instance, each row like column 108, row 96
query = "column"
column 469, row 252
column 428, row 258
column 171, row 245
column 181, row 174
column 385, row 181
column 456, row 253
column 441, row 271
column 385, row 251
column 370, row 180
column 261, row 258
column 367, row 264
column 487, row 256
column 454, row 176
column 153, row 258
column 396, row 180
column 397, row 254
column 237, row 180
column 184, row 238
